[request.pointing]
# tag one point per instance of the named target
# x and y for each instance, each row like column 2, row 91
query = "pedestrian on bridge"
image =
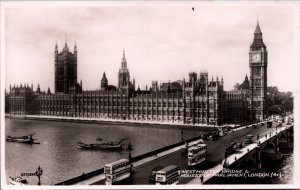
column 201, row 178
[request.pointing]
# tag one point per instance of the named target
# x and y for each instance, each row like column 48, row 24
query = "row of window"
column 121, row 173
column 198, row 158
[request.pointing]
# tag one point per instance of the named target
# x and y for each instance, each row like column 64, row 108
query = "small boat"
column 17, row 180
column 22, row 139
column 100, row 146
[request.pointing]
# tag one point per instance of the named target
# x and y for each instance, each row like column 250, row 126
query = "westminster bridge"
column 268, row 142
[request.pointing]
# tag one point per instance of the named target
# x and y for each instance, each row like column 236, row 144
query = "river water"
column 60, row 158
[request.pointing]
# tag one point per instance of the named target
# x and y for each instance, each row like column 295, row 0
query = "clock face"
column 256, row 58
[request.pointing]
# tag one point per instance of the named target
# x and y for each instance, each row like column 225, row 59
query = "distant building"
column 124, row 82
column 196, row 101
column 245, row 85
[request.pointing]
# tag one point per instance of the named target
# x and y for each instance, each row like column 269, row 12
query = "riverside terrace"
column 270, row 141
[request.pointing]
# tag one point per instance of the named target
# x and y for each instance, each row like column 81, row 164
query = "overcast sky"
column 161, row 43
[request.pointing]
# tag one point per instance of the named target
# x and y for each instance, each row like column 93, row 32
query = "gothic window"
column 257, row 82
column 60, row 71
column 71, row 71
column 60, row 86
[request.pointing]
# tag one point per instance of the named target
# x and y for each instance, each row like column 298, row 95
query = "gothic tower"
column 104, row 82
column 124, row 77
column 65, row 70
column 258, row 63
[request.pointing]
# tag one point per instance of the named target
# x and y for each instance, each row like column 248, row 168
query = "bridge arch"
column 269, row 148
column 283, row 136
column 251, row 164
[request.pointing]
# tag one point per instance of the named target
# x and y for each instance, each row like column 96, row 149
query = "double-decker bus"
column 117, row 171
column 197, row 154
column 249, row 139
column 168, row 175
column 153, row 173
column 269, row 124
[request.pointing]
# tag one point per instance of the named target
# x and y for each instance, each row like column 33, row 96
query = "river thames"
column 60, row 158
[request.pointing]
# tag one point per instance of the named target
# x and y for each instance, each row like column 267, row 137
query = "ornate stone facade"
column 258, row 61
column 196, row 101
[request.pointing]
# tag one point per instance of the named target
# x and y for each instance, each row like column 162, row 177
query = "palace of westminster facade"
column 198, row 100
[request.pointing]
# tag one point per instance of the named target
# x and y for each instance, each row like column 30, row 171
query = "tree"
column 279, row 102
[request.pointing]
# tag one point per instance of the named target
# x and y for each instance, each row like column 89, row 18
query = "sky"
column 162, row 43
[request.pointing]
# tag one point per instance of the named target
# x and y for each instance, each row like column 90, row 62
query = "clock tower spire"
column 258, row 75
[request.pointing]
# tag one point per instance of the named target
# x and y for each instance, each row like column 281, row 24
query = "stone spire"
column 257, row 29
column 124, row 62
column 222, row 81
column 66, row 48
column 75, row 49
column 56, row 48
column 258, row 40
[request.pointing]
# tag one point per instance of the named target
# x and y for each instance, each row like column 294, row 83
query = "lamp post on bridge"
column 39, row 172
column 129, row 149
column 181, row 135
column 225, row 160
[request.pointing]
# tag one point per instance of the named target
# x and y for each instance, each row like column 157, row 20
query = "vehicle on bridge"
column 278, row 124
column 117, row 171
column 249, row 139
column 215, row 135
column 231, row 147
column 168, row 175
column 153, row 173
column 221, row 131
column 269, row 124
column 197, row 154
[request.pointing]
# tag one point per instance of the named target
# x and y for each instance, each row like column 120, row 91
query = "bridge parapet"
column 250, row 156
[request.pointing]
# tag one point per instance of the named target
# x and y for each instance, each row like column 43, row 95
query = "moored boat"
column 100, row 146
column 17, row 180
column 22, row 139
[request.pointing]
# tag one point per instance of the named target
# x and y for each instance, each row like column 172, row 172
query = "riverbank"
column 116, row 122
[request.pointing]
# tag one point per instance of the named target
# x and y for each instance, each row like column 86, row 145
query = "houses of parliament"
column 196, row 101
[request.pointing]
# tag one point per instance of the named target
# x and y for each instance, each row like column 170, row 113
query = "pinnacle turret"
column 75, row 48
column 66, row 48
column 56, row 48
column 124, row 62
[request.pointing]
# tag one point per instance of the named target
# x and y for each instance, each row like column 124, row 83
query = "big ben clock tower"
column 258, row 62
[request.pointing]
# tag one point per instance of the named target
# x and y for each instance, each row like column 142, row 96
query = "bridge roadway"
column 215, row 153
